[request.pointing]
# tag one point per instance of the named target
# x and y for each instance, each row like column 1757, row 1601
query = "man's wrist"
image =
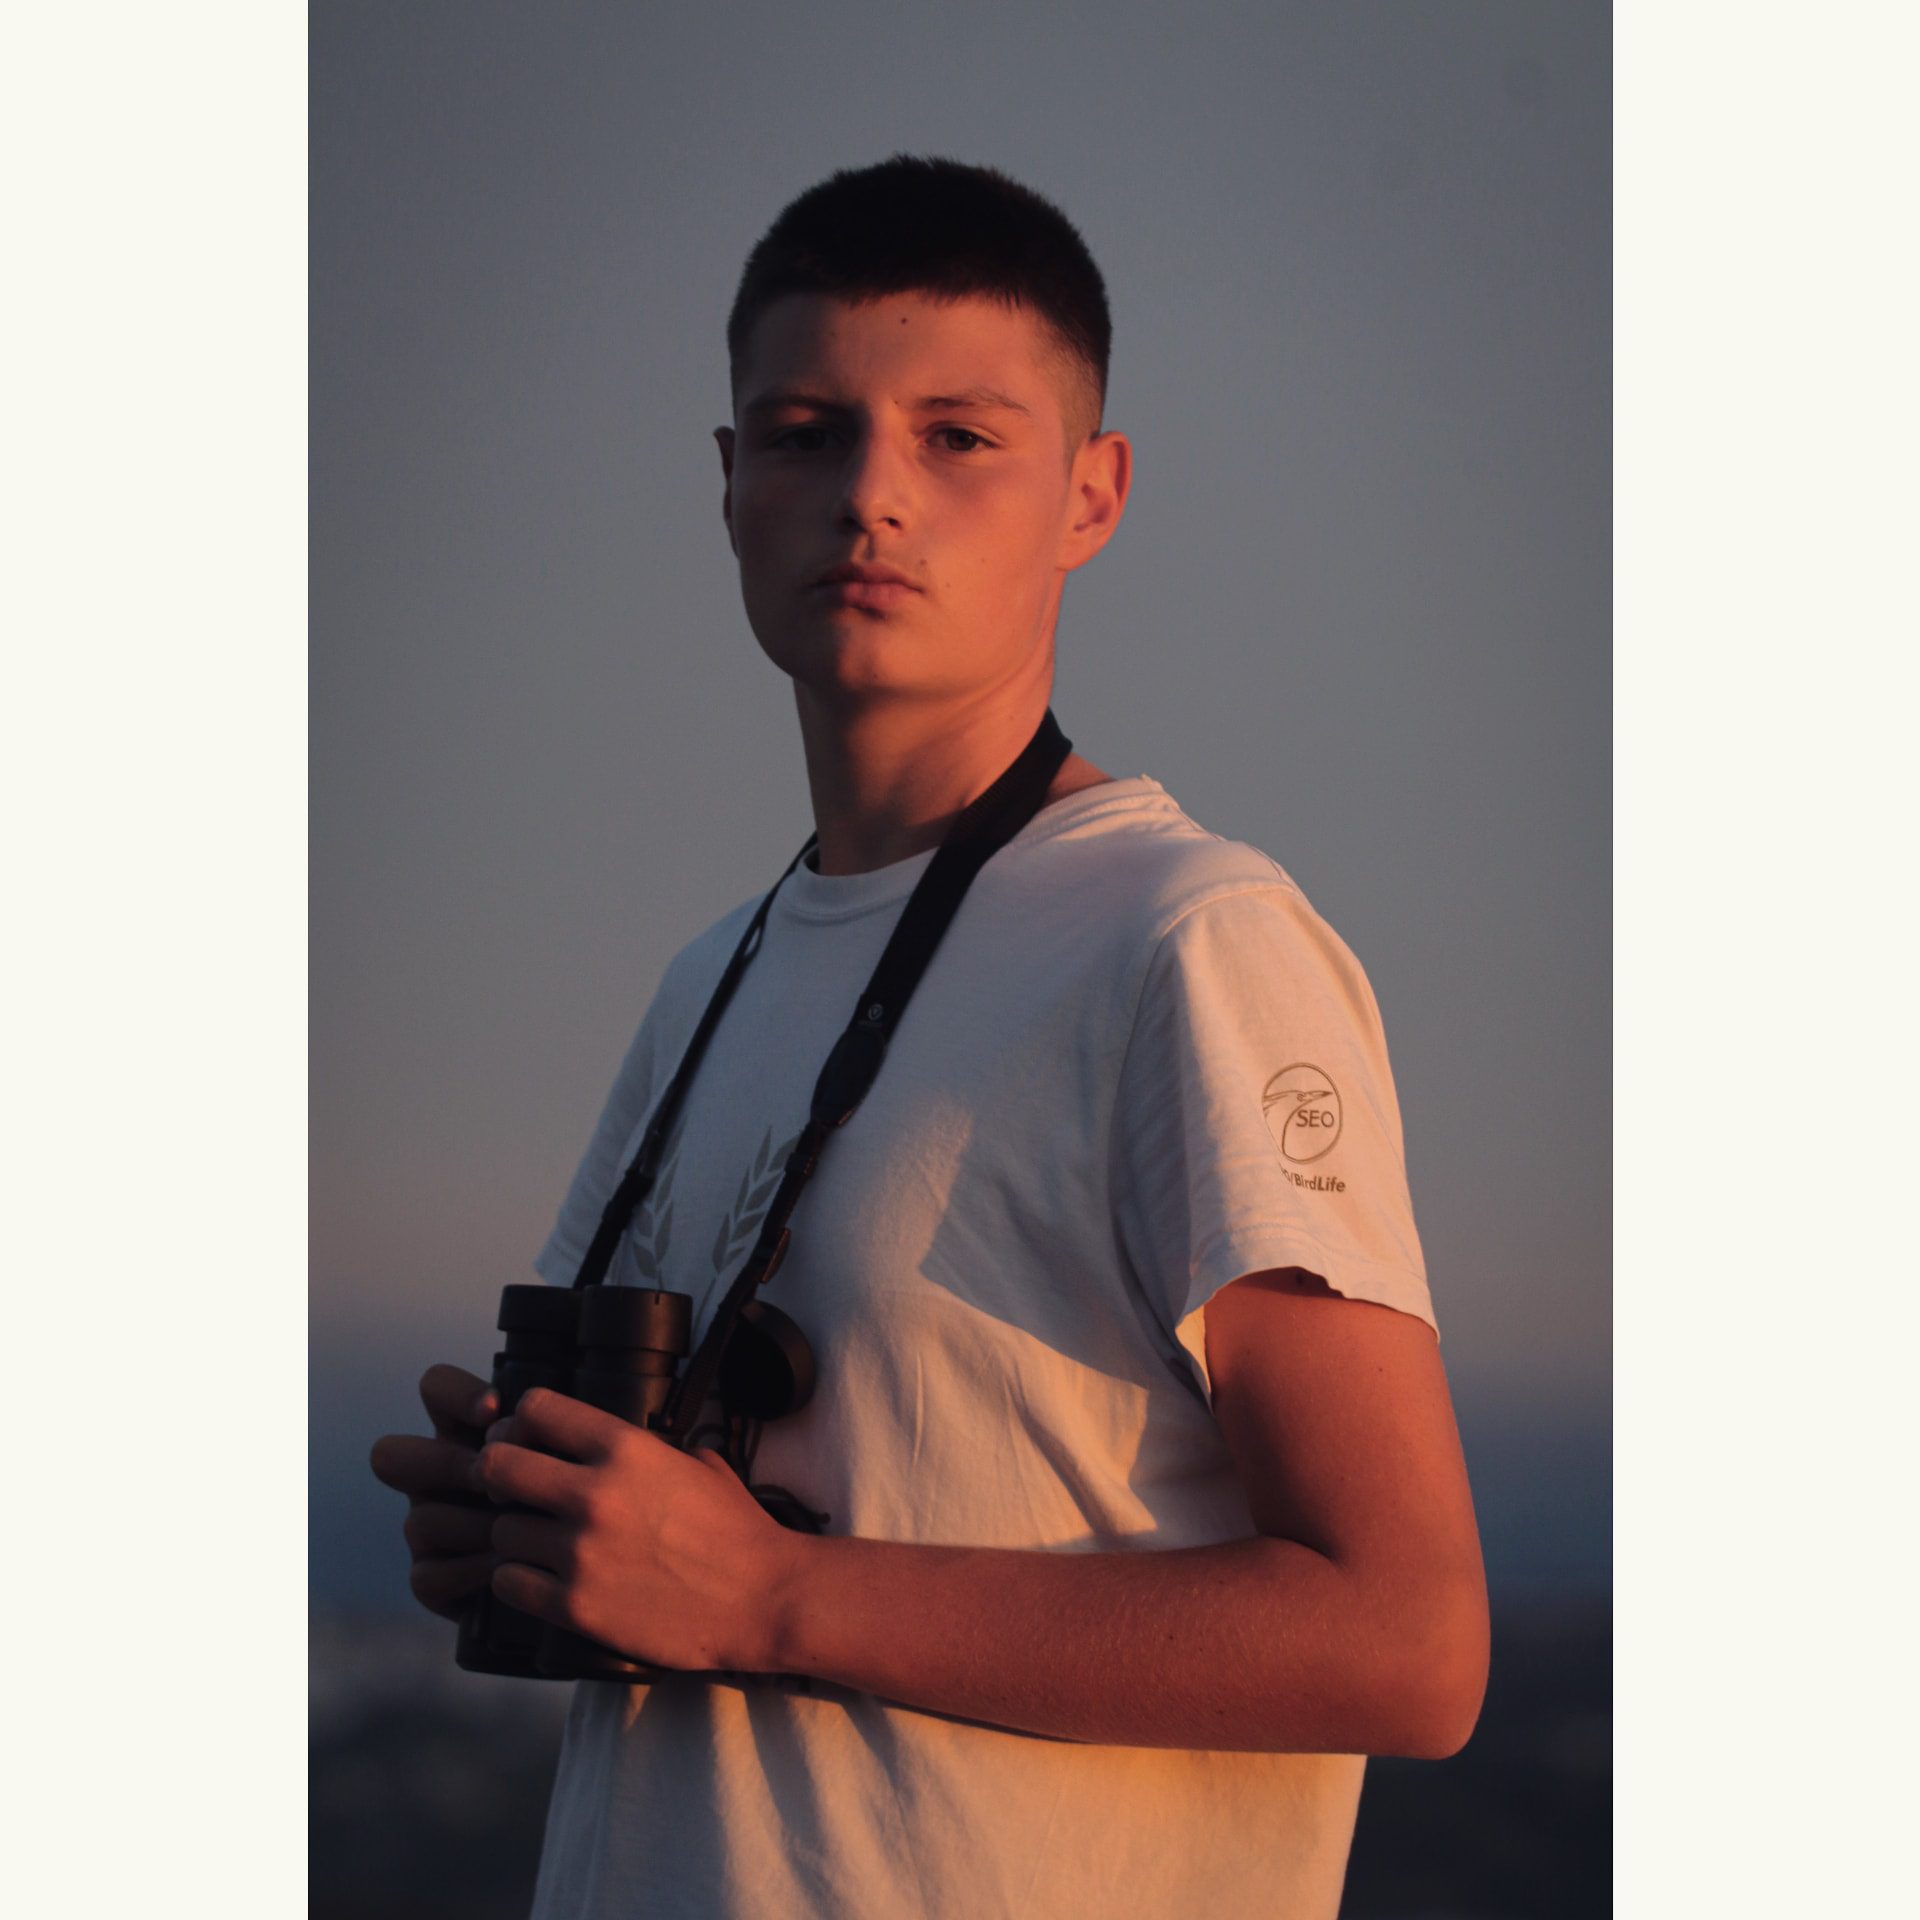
column 778, row 1602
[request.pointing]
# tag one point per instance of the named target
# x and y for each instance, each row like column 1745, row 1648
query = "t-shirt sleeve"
column 615, row 1137
column 1255, row 1124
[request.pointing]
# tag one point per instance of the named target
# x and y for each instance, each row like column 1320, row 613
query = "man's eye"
column 960, row 433
column 801, row 439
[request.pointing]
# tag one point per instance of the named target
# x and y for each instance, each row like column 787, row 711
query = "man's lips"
column 863, row 572
column 857, row 586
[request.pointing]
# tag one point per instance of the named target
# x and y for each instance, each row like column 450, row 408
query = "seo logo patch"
column 1303, row 1111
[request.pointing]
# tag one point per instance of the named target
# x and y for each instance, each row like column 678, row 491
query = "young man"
column 1147, row 1515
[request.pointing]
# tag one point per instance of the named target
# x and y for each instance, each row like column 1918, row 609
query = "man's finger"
column 411, row 1463
column 458, row 1403
column 435, row 1528
column 532, row 1591
column 567, row 1426
column 536, row 1541
column 519, row 1477
column 446, row 1586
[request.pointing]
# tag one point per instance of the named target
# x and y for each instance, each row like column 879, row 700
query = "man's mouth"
column 853, row 585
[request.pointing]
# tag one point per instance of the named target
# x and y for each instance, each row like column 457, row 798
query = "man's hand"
column 448, row 1527
column 661, row 1555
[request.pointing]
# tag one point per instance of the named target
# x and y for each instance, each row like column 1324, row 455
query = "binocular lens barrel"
column 631, row 1341
column 539, row 1324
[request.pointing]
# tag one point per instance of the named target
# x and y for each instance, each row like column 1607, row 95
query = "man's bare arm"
column 1355, row 1623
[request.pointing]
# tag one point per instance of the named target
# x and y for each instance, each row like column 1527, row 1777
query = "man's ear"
column 723, row 437
column 1102, row 475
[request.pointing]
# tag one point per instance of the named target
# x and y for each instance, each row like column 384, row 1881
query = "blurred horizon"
column 429, row 1785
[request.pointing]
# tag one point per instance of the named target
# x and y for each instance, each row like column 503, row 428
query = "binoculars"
column 620, row 1349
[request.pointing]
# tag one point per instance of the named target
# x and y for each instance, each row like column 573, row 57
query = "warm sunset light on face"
column 921, row 443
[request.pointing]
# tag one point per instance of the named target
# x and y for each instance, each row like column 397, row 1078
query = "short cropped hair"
column 948, row 230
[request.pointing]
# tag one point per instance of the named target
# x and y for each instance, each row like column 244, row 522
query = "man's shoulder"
column 1147, row 889
column 1143, row 863
column 701, row 961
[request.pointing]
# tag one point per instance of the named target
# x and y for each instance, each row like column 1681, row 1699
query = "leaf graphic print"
column 653, row 1219
column 757, row 1187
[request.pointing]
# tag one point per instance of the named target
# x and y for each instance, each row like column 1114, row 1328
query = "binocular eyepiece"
column 619, row 1349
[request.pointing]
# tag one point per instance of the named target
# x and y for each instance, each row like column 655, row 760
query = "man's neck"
column 888, row 779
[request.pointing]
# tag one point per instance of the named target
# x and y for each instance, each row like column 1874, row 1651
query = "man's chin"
column 853, row 657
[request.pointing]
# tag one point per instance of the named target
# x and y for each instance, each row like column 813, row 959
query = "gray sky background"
column 1358, row 612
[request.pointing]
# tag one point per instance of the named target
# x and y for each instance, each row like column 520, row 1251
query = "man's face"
column 922, row 439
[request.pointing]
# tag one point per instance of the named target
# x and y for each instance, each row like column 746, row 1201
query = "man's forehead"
column 970, row 350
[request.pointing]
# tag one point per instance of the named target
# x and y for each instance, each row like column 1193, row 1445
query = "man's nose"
column 877, row 489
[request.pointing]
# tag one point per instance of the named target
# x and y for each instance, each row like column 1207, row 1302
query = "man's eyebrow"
column 787, row 397
column 980, row 398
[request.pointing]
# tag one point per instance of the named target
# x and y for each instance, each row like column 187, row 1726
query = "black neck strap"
column 637, row 1182
column 981, row 830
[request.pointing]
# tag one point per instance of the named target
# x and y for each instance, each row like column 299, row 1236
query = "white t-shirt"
column 1138, row 1067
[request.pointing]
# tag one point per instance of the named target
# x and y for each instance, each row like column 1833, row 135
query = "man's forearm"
column 1260, row 1644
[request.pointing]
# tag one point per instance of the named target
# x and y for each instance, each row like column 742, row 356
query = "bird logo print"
column 1302, row 1109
